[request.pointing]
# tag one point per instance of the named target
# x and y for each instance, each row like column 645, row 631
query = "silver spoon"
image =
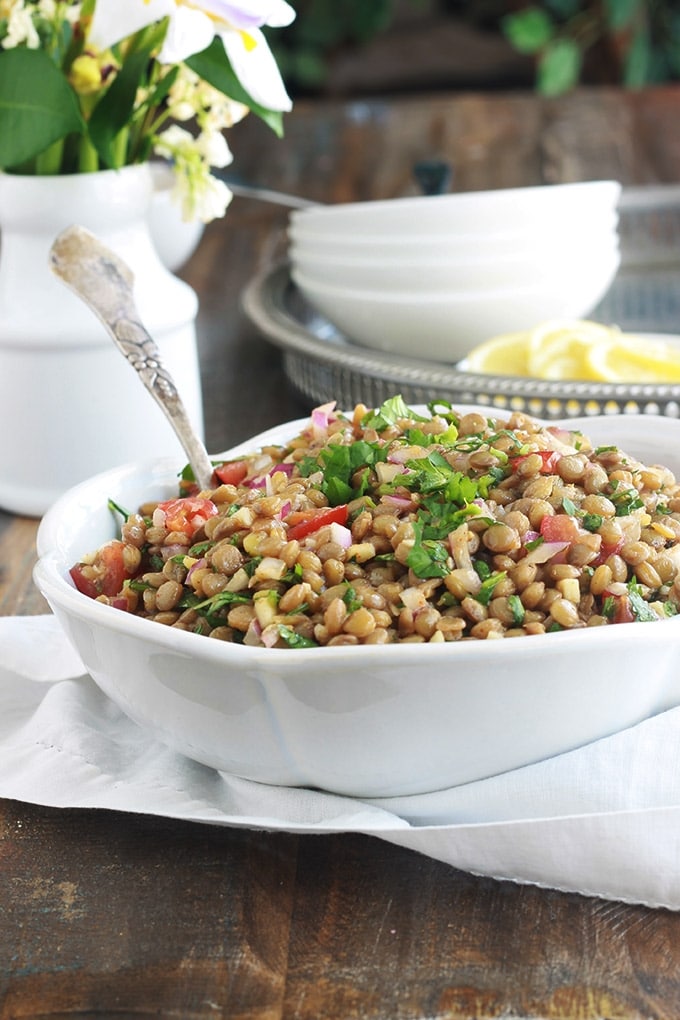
column 104, row 282
column 433, row 177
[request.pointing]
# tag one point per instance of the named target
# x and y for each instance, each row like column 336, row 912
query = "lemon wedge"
column 561, row 349
column 578, row 349
column 627, row 359
column 504, row 355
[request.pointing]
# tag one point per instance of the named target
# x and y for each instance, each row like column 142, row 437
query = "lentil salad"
column 389, row 525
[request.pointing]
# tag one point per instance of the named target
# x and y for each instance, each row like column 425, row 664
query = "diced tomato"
column 559, row 528
column 549, row 458
column 622, row 611
column 82, row 583
column 607, row 549
column 109, row 568
column 304, row 522
column 232, row 472
column 187, row 514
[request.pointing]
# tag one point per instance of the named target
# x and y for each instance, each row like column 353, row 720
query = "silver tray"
column 321, row 365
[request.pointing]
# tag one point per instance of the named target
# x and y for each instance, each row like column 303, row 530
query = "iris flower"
column 193, row 24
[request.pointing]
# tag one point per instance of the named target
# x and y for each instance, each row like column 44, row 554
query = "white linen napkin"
column 603, row 820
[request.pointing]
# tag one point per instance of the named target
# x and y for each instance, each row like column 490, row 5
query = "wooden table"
column 106, row 914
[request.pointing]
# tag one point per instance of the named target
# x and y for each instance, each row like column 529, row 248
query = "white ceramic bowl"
column 472, row 212
column 426, row 274
column 445, row 325
column 369, row 720
column 547, row 237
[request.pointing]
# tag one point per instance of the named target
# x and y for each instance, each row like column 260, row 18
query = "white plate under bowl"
column 366, row 720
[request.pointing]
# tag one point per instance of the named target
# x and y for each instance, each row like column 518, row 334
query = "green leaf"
column 620, row 13
column 559, row 67
column 530, row 30
column 639, row 60
column 114, row 110
column 563, row 9
column 37, row 106
column 213, row 65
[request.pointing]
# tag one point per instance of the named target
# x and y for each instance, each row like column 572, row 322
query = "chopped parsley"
column 389, row 413
column 517, row 609
column 485, row 593
column 340, row 465
column 591, row 522
column 293, row 639
column 214, row 609
column 350, row 599
column 639, row 607
column 428, row 557
column 625, row 501
column 117, row 509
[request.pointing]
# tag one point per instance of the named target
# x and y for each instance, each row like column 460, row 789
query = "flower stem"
column 48, row 162
column 120, row 148
column 88, row 159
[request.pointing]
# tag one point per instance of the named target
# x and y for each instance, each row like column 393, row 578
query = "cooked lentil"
column 387, row 525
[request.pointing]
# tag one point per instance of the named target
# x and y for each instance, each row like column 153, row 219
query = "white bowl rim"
column 51, row 572
column 528, row 234
column 543, row 192
column 448, row 295
column 530, row 256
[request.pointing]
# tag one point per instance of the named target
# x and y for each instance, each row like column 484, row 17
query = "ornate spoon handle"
column 104, row 282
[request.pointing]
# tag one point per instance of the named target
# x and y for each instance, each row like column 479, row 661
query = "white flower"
column 192, row 26
column 213, row 147
column 210, row 201
column 199, row 194
column 20, row 29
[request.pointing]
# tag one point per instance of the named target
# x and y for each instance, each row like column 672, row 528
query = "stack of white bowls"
column 431, row 277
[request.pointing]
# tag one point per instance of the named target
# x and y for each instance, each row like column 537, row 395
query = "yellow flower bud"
column 86, row 74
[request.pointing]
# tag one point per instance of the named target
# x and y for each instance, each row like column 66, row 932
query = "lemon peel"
column 580, row 350
column 628, row 361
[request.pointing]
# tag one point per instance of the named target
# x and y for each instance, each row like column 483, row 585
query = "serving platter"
column 322, row 364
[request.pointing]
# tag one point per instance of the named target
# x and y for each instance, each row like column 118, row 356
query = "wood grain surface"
column 114, row 915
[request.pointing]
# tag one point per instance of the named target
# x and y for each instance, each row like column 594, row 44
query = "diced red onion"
column 120, row 603
column 560, row 440
column 269, row 636
column 545, row 551
column 400, row 454
column 168, row 551
column 158, row 519
column 322, row 415
column 401, row 502
column 263, row 481
column 284, row 511
column 339, row 534
column 198, row 565
column 616, row 588
column 253, row 634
